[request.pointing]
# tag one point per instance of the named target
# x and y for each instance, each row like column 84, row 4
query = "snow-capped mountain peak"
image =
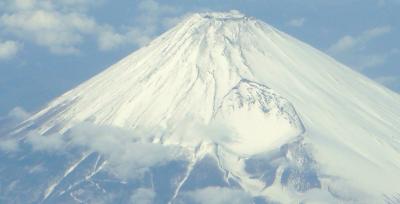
column 228, row 103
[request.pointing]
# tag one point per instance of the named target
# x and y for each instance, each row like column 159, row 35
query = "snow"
column 52, row 186
column 260, row 119
column 268, row 88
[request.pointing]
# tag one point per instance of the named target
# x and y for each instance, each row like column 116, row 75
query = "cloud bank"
column 128, row 153
column 63, row 26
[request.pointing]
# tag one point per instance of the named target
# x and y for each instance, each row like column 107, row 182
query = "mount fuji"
column 222, row 108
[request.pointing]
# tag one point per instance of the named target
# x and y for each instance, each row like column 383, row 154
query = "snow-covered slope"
column 270, row 114
column 260, row 119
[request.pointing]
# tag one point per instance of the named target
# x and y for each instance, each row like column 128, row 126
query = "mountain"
column 222, row 108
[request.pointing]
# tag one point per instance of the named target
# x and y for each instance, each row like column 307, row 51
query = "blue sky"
column 48, row 47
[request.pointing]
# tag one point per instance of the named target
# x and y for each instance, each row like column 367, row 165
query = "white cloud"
column 49, row 143
column 143, row 196
column 369, row 61
column 352, row 49
column 8, row 49
column 42, row 24
column 133, row 155
column 151, row 17
column 79, row 5
column 297, row 22
column 18, row 114
column 9, row 145
column 344, row 43
column 13, row 118
column 348, row 42
column 128, row 152
column 108, row 39
column 62, row 26
column 174, row 20
column 216, row 195
column 155, row 8
column 24, row 4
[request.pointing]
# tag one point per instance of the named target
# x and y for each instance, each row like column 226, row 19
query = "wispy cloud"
column 348, row 42
column 8, row 49
column 152, row 16
column 143, row 196
column 13, row 118
column 215, row 195
column 18, row 114
column 369, row 61
column 9, row 145
column 382, row 3
column 351, row 49
column 296, row 22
